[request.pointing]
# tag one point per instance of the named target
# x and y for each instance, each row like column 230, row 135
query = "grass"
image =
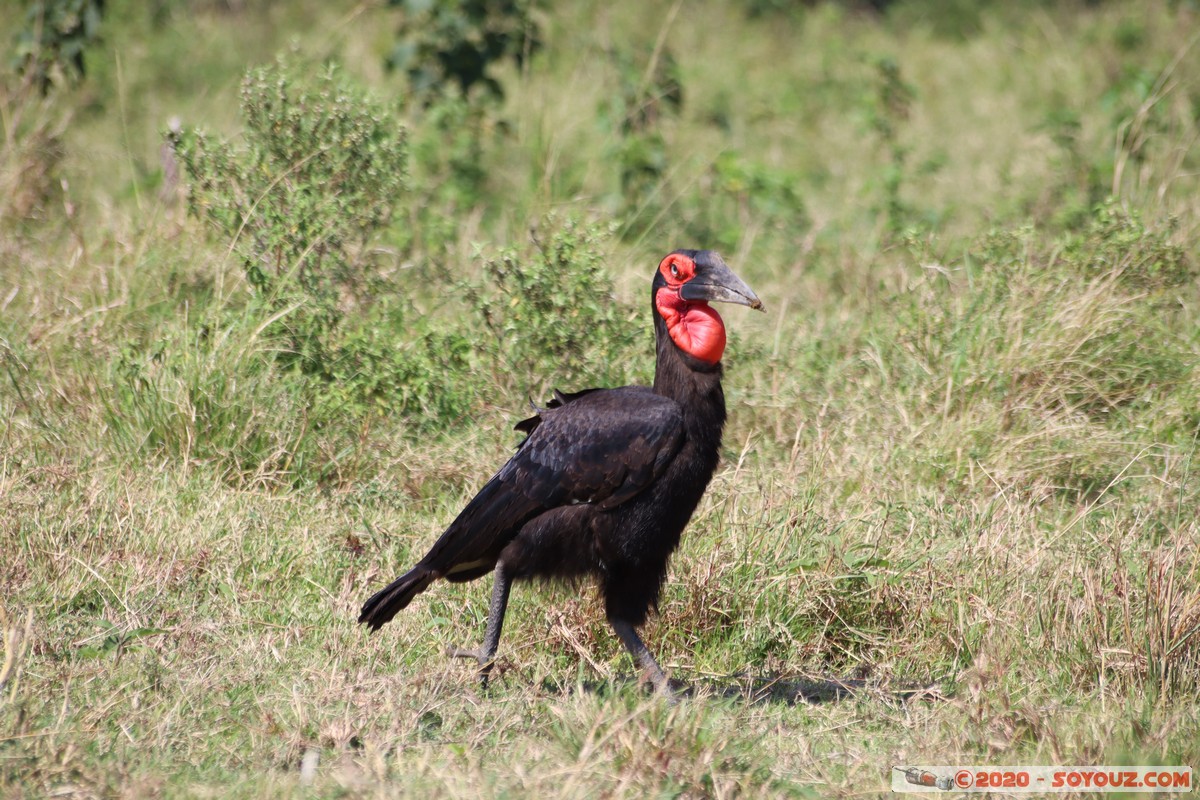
column 960, row 470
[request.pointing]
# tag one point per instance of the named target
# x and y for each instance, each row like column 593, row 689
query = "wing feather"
column 600, row 446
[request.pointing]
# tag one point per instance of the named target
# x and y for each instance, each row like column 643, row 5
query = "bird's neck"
column 695, row 385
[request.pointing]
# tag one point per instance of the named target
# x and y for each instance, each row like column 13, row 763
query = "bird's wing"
column 601, row 447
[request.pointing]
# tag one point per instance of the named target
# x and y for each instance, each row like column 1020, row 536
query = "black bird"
column 606, row 479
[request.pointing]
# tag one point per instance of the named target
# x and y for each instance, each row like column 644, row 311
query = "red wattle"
column 695, row 327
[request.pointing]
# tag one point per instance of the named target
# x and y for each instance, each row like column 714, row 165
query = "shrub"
column 51, row 44
column 450, row 149
column 738, row 195
column 318, row 174
column 441, row 44
column 889, row 113
column 553, row 318
column 1117, row 243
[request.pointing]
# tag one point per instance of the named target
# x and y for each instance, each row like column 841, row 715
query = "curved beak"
column 715, row 282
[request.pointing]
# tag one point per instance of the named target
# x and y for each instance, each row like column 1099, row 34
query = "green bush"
column 446, row 43
column 450, row 148
column 553, row 319
column 394, row 360
column 889, row 113
column 319, row 173
column 1117, row 243
column 739, row 194
column 449, row 54
column 51, row 44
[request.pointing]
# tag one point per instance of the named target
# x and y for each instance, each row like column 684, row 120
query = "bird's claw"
column 463, row 652
column 672, row 694
column 485, row 662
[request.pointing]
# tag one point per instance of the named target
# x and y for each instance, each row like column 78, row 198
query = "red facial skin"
column 694, row 326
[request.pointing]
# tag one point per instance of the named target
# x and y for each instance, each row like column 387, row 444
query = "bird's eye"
column 674, row 270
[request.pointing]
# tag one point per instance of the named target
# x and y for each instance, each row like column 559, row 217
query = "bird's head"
column 684, row 285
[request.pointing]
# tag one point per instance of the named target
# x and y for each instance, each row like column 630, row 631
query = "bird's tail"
column 390, row 600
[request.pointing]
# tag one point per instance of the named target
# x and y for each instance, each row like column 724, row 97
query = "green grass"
column 961, row 456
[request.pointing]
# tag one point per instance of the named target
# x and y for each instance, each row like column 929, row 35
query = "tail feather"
column 389, row 601
column 466, row 550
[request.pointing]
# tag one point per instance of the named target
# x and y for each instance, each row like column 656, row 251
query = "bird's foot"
column 672, row 691
column 661, row 684
column 651, row 671
column 485, row 660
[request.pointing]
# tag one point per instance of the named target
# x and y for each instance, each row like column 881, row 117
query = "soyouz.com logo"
column 1041, row 779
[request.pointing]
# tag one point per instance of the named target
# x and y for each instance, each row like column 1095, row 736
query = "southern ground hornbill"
column 606, row 479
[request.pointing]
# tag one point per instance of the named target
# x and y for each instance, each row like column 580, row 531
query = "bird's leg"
column 641, row 656
column 486, row 653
